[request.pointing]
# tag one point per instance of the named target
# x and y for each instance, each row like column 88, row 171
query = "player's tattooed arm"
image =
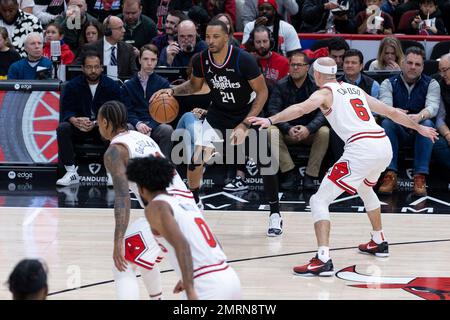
column 188, row 87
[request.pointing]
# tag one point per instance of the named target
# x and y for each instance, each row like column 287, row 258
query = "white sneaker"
column 109, row 182
column 71, row 177
column 200, row 204
column 275, row 225
column 237, row 184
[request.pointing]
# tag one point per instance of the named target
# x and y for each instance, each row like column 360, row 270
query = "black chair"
column 430, row 67
column 411, row 43
column 440, row 49
column 367, row 65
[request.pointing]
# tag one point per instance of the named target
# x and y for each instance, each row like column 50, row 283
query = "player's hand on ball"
column 160, row 92
column 257, row 121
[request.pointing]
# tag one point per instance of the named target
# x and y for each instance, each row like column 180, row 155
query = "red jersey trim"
column 328, row 112
column 230, row 50
column 347, row 188
column 216, row 270
column 211, row 265
column 367, row 137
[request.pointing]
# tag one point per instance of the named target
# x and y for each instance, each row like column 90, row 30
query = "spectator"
column 402, row 8
column 118, row 56
column 26, row 6
column 390, row 55
column 285, row 36
column 161, row 8
column 419, row 96
column 285, row 8
column 441, row 149
column 18, row 23
column 101, row 9
column 170, row 30
column 35, row 66
column 337, row 47
column 273, row 65
column 428, row 21
column 179, row 52
column 83, row 96
column 200, row 17
column 325, row 15
column 136, row 94
column 48, row 10
column 54, row 32
column 139, row 29
column 308, row 130
column 390, row 6
column 74, row 20
column 225, row 18
column 91, row 32
column 28, row 280
column 7, row 53
column 366, row 21
column 215, row 7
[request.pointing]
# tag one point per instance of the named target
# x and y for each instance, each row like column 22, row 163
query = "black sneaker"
column 291, row 181
column 237, row 184
column 379, row 250
column 308, row 182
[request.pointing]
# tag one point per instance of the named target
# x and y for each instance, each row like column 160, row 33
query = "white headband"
column 324, row 69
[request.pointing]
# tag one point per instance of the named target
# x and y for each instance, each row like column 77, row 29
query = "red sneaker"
column 379, row 250
column 315, row 267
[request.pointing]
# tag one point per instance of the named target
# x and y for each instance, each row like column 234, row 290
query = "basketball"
column 164, row 109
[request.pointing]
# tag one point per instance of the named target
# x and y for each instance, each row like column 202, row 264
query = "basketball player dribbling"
column 135, row 248
column 238, row 90
column 367, row 153
column 180, row 228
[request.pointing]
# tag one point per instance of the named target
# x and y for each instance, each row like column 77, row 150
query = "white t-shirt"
column 93, row 88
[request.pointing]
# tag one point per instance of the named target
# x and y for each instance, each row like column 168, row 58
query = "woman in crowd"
column 390, row 55
column 7, row 53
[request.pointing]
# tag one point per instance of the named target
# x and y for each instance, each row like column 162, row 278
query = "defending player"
column 367, row 153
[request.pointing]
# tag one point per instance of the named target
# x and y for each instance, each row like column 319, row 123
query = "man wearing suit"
column 81, row 99
column 118, row 56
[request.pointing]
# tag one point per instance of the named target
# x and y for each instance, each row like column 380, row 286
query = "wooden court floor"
column 77, row 246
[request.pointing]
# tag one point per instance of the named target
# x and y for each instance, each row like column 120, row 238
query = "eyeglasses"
column 298, row 65
column 444, row 70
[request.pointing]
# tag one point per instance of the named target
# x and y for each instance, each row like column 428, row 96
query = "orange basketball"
column 164, row 109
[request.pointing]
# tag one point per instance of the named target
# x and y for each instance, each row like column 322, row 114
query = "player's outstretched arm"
column 188, row 87
column 400, row 117
column 115, row 159
column 160, row 216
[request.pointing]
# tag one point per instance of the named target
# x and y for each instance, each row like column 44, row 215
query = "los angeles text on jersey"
column 222, row 83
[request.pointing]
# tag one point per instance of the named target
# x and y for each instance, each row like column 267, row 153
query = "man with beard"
column 170, row 29
column 81, row 99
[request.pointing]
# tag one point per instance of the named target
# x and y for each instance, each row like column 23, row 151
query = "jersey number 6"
column 360, row 110
column 206, row 232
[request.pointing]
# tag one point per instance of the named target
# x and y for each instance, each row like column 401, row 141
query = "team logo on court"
column 94, row 168
column 428, row 288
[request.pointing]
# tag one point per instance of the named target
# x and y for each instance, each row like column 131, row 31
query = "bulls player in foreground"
column 238, row 91
column 367, row 153
column 135, row 248
column 180, row 228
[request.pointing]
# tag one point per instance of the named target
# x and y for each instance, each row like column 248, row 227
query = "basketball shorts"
column 141, row 247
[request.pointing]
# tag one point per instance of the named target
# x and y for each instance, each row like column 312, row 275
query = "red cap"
column 271, row 2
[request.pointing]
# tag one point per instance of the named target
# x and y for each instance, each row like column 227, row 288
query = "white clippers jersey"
column 350, row 115
column 140, row 145
column 207, row 255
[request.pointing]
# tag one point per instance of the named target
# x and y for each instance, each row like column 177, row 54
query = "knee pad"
column 319, row 208
column 369, row 197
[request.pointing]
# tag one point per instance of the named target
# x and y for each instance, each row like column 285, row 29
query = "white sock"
column 378, row 236
column 126, row 283
column 323, row 253
column 70, row 168
column 152, row 282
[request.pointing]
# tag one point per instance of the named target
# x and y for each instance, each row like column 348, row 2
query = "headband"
column 324, row 69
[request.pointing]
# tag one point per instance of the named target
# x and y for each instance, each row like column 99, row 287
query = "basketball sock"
column 70, row 168
column 323, row 253
column 126, row 284
column 378, row 236
column 274, row 207
column 195, row 192
column 152, row 282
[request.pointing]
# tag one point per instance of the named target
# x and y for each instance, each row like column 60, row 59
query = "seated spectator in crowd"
column 428, row 20
column 160, row 9
column 73, row 21
column 367, row 20
column 225, row 18
column 285, row 36
column 389, row 7
column 337, row 47
column 18, row 23
column 101, row 9
column 7, row 53
column 389, row 57
column 417, row 95
column 215, row 7
column 91, row 32
column 328, row 16
column 26, row 5
column 136, row 93
column 170, row 30
column 308, row 130
column 441, row 149
column 403, row 7
column 35, row 66
column 180, row 52
column 200, row 17
column 54, row 32
column 83, row 96
column 119, row 57
column 139, row 29
column 28, row 280
column 48, row 10
column 273, row 66
column 285, row 8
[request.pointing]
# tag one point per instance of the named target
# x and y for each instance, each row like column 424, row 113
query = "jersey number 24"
column 227, row 97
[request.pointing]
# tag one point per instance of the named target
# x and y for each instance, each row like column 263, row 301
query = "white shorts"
column 141, row 247
column 205, row 135
column 362, row 162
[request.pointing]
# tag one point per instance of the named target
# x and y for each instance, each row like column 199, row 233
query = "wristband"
column 271, row 123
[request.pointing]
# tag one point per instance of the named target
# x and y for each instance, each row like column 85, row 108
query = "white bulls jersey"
column 350, row 115
column 140, row 145
column 207, row 255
